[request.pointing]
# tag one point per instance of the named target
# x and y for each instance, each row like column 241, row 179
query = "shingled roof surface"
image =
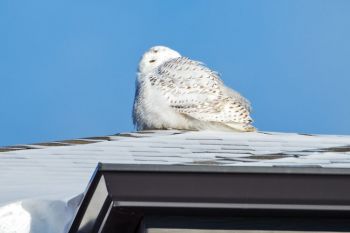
column 42, row 184
column 49, row 170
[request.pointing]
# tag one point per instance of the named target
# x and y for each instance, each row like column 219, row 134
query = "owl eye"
column 151, row 61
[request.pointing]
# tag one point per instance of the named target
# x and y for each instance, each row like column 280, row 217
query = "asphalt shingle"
column 61, row 170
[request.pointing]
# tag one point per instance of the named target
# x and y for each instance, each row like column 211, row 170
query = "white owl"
column 174, row 92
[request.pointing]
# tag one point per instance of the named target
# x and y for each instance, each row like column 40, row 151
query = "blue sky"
column 67, row 68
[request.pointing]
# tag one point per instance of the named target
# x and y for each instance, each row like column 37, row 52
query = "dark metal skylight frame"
column 121, row 197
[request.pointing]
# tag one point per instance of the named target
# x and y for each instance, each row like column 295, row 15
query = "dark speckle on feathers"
column 193, row 89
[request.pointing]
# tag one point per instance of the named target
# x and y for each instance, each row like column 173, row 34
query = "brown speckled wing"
column 195, row 90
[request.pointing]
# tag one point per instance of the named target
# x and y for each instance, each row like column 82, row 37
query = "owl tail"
column 241, row 127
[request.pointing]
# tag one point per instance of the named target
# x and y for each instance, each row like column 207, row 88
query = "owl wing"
column 198, row 92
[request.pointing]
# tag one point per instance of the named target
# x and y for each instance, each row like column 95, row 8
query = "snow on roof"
column 61, row 170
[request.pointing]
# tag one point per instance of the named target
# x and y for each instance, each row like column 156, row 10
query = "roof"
column 63, row 169
column 43, row 182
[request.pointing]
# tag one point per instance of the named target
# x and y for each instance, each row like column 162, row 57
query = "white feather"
column 174, row 92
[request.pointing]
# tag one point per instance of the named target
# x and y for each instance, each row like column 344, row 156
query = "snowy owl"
column 175, row 92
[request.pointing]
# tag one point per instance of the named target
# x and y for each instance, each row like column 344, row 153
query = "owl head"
column 154, row 57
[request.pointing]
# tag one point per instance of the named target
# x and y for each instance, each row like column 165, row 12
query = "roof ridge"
column 191, row 135
column 87, row 140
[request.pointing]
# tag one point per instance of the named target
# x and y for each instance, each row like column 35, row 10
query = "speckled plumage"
column 174, row 92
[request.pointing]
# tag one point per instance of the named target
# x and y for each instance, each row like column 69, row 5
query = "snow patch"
column 38, row 216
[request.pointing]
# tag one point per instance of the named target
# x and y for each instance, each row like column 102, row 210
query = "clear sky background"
column 67, row 68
